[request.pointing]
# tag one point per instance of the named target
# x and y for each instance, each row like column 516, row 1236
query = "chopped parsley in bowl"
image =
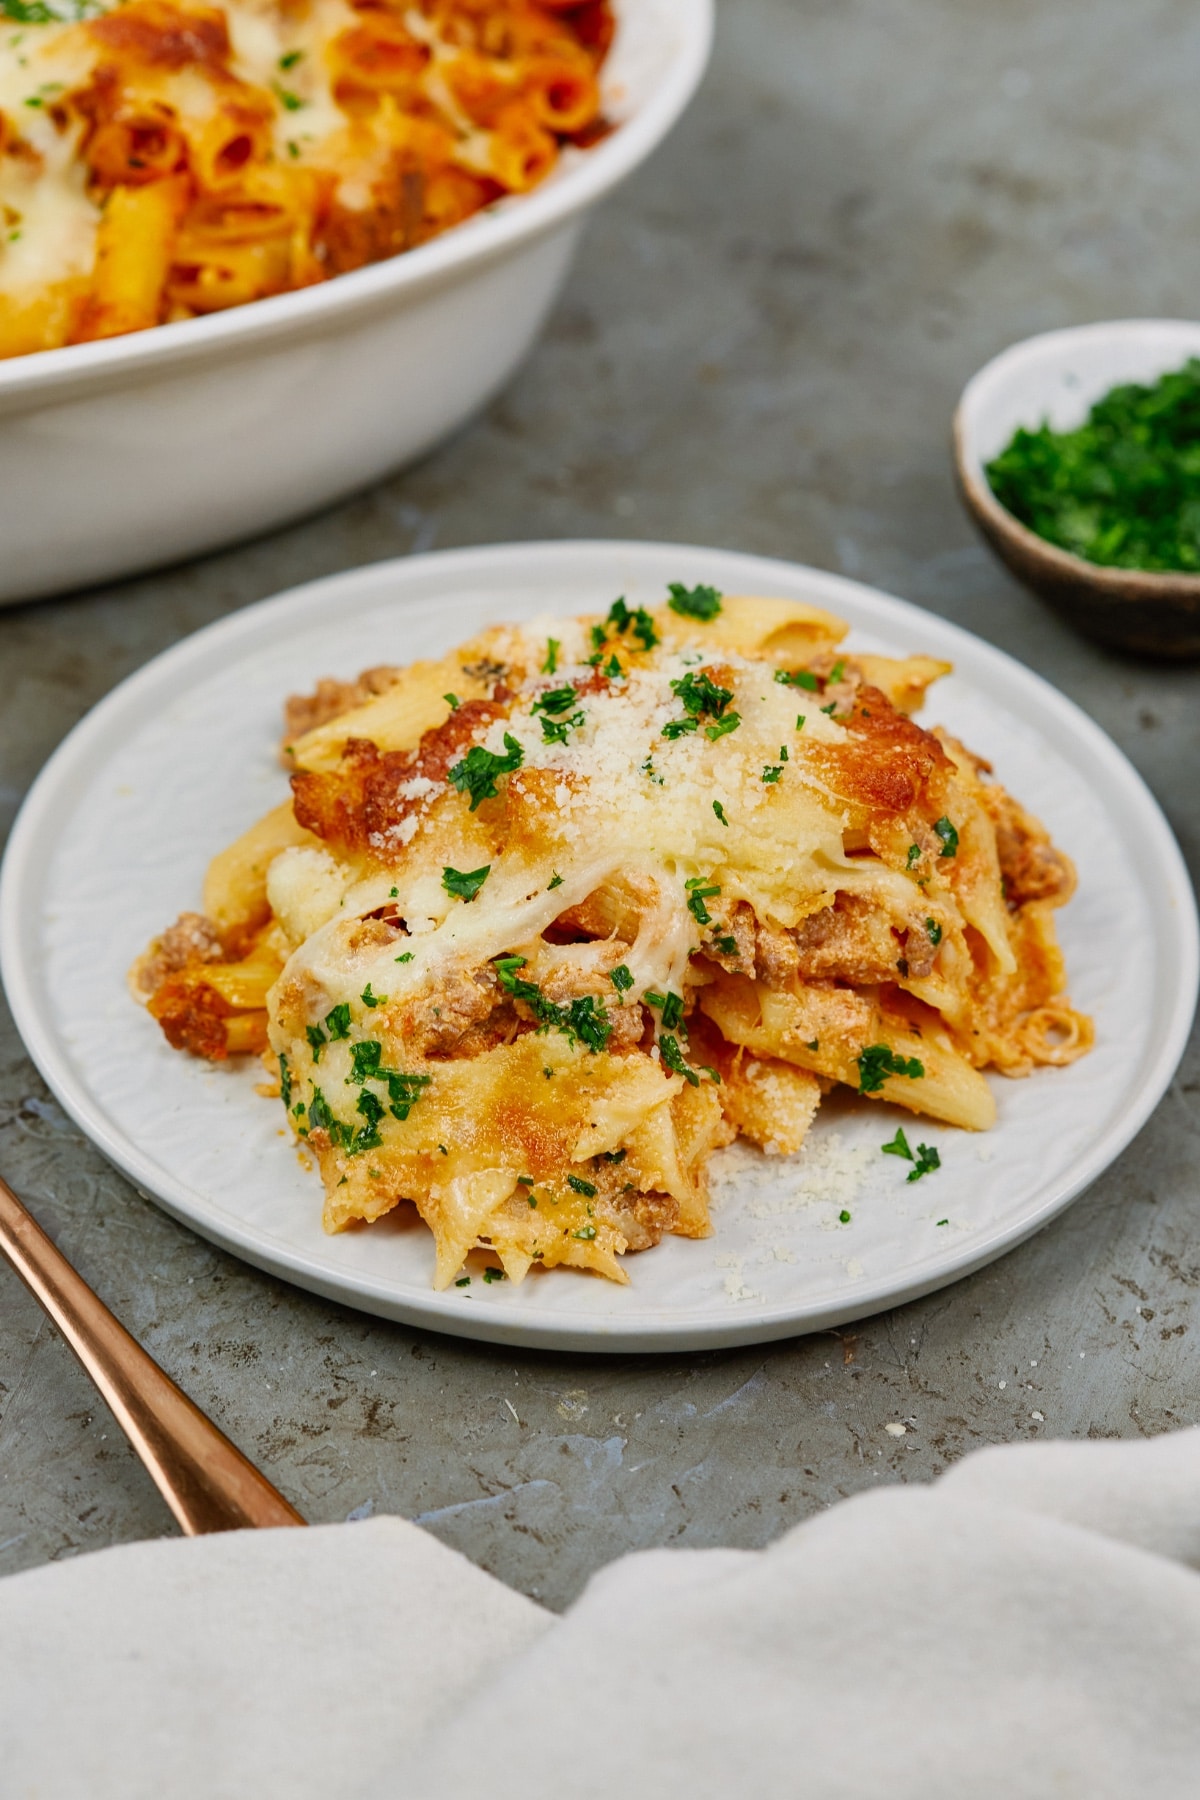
column 1123, row 489
column 1077, row 454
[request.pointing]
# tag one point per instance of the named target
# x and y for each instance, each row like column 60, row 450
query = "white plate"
column 114, row 838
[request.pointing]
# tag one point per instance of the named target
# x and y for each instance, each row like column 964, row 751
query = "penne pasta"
column 548, row 921
column 165, row 159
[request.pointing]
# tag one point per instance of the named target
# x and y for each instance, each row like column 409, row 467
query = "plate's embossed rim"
column 416, row 580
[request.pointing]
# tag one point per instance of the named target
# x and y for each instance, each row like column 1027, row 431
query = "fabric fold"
column 1028, row 1628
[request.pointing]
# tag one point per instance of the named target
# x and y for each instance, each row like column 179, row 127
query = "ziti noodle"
column 164, row 158
column 547, row 921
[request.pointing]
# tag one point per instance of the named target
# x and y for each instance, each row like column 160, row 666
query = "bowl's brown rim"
column 1116, row 584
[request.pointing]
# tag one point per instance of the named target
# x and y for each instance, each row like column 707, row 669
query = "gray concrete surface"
column 761, row 346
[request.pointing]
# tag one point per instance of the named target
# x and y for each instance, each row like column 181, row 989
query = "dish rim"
column 1119, row 584
column 480, row 239
column 245, row 631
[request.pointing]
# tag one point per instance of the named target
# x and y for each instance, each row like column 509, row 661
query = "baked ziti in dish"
column 160, row 159
column 546, row 922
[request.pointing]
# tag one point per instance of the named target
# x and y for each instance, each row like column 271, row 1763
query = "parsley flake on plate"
column 801, row 678
column 949, row 837
column 703, row 603
column 878, row 1061
column 479, row 769
column 464, row 884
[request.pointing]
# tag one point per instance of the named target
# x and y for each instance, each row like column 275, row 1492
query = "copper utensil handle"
column 207, row 1483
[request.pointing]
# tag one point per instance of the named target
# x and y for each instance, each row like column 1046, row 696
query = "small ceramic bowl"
column 1059, row 376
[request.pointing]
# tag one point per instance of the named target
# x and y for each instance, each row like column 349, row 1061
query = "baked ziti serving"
column 546, row 922
column 165, row 158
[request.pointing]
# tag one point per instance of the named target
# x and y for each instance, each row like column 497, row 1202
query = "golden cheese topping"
column 548, row 921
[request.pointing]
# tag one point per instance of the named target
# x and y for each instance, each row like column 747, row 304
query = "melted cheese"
column 785, row 878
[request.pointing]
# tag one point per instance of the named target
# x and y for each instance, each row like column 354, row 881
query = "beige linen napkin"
column 1029, row 1627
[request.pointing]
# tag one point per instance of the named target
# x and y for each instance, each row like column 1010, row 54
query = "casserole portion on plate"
column 547, row 921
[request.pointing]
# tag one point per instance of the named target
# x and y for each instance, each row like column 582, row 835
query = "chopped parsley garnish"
column 354, row 1141
column 878, row 1061
column 452, row 701
column 320, row 1118
column 799, row 721
column 493, row 1274
column 555, row 880
column 783, row 753
column 554, row 731
column 370, row 1000
column 934, row 932
column 621, row 978
column 35, row 12
column 924, row 1162
column 843, row 1217
column 698, row 892
column 337, row 1022
column 914, row 856
column 837, row 671
column 949, row 837
column 927, row 1161
column 1123, row 488
column 943, row 1221
column 621, row 619
column 614, row 1156
column 285, row 1083
column 730, row 722
column 555, row 700
column 463, row 1281
column 720, row 812
column 550, row 665
column 672, row 1055
column 694, row 603
column 582, row 1021
column 613, row 669
column 292, row 102
column 800, row 678
column 585, row 1232
column 403, row 1090
column 290, row 58
column 728, row 946
column 581, row 1186
column 700, row 694
column 477, row 772
column 648, row 770
column 407, row 957
column 771, row 773
column 364, row 1060
column 677, row 728
column 464, row 884
column 670, row 1005
column 316, row 1041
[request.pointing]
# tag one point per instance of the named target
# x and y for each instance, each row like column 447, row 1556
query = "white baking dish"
column 119, row 455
